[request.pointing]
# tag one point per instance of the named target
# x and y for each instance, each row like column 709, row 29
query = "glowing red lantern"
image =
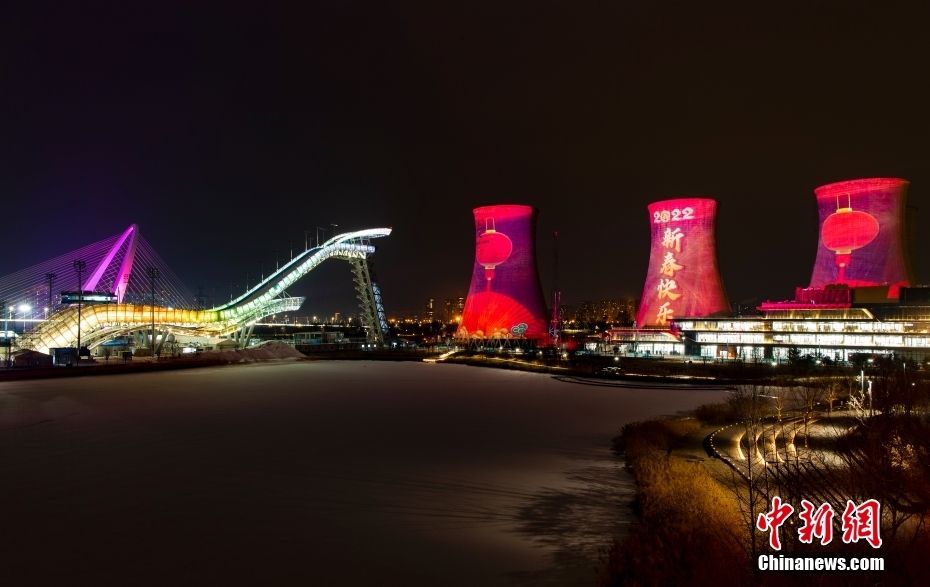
column 846, row 230
column 492, row 249
column 877, row 239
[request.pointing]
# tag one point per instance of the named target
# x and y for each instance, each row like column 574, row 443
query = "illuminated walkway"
column 105, row 321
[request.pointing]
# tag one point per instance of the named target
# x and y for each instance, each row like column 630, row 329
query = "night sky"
column 226, row 132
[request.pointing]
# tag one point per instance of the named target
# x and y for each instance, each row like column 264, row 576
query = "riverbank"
column 688, row 526
column 268, row 352
column 694, row 523
column 630, row 371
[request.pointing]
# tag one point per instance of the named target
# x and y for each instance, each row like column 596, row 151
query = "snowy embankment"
column 265, row 352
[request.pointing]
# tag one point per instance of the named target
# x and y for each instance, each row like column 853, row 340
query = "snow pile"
column 264, row 352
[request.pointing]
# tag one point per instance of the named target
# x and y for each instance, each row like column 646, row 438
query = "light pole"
column 51, row 281
column 153, row 274
column 25, row 309
column 870, row 398
column 6, row 327
column 79, row 267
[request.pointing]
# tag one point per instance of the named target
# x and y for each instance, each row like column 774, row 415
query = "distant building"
column 621, row 311
column 430, row 309
column 30, row 358
column 452, row 309
column 651, row 342
column 318, row 337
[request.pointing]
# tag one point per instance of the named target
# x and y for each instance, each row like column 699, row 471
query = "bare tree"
column 807, row 397
column 831, row 393
column 751, row 405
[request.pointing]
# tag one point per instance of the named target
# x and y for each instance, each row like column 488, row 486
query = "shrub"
column 717, row 414
column 639, row 438
column 688, row 531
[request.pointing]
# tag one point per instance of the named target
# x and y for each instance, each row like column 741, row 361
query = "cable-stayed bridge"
column 114, row 265
column 130, row 272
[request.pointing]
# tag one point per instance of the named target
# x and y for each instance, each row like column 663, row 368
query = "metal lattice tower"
column 370, row 305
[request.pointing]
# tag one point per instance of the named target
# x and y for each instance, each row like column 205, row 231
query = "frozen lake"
column 315, row 473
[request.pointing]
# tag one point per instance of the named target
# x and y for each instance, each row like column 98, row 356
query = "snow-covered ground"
column 314, row 473
column 263, row 352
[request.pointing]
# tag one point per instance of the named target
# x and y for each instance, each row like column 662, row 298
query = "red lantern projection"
column 505, row 299
column 682, row 279
column 846, row 230
column 491, row 249
column 862, row 234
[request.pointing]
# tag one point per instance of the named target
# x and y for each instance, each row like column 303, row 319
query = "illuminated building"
column 862, row 235
column 430, row 309
column 505, row 300
column 643, row 342
column 682, row 278
column 858, row 301
column 835, row 333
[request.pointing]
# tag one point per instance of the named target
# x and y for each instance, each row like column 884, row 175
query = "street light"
column 79, row 267
column 6, row 335
column 24, row 309
column 153, row 274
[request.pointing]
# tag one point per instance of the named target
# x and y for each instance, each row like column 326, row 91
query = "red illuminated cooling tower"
column 862, row 234
column 682, row 279
column 505, row 299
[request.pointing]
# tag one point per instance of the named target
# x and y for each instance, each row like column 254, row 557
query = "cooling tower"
column 862, row 234
column 682, row 279
column 505, row 299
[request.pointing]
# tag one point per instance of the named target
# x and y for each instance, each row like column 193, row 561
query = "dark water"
column 323, row 473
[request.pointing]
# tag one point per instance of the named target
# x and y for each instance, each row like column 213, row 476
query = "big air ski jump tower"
column 133, row 294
